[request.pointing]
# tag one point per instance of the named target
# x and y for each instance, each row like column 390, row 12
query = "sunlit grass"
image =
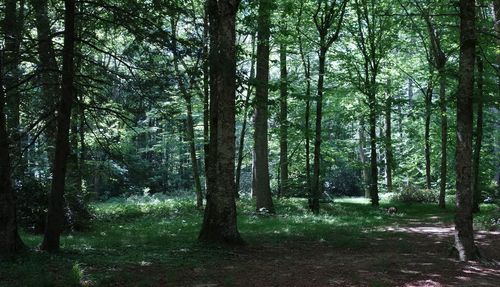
column 162, row 231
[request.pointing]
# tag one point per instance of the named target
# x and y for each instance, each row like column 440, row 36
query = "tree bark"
column 49, row 70
column 283, row 121
column 241, row 146
column 55, row 214
column 372, row 102
column 13, row 27
column 464, row 235
column 365, row 172
column 189, row 118
column 444, row 139
column 389, row 158
column 476, row 166
column 10, row 242
column 427, row 142
column 219, row 222
column 262, row 185
column 316, row 188
column 206, row 91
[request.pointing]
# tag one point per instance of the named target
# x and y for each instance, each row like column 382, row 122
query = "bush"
column 32, row 204
column 413, row 194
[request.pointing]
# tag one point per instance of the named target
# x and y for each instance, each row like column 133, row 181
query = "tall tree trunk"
column 10, row 242
column 464, row 235
column 316, row 188
column 476, row 166
column 189, row 118
column 49, row 70
column 283, row 121
column 206, row 91
column 262, row 186
column 306, row 63
column 388, row 143
column 13, row 27
column 444, row 139
column 365, row 172
column 55, row 214
column 372, row 100
column 219, row 222
column 241, row 146
column 496, row 15
column 427, row 142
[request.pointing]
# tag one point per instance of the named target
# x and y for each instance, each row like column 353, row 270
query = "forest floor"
column 152, row 242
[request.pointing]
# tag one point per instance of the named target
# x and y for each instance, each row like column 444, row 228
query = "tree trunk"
column 444, row 139
column 262, row 187
column 476, row 167
column 373, row 148
column 496, row 15
column 10, row 242
column 206, row 91
column 49, row 70
column 427, row 142
column 365, row 172
column 241, row 146
column 306, row 63
column 464, row 235
column 388, row 143
column 283, row 121
column 317, row 141
column 219, row 222
column 13, row 27
column 189, row 119
column 55, row 214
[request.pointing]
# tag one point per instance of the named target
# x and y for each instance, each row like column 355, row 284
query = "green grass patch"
column 142, row 233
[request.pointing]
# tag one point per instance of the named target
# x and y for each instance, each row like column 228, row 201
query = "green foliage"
column 413, row 194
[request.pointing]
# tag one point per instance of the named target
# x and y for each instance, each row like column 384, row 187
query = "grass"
column 149, row 232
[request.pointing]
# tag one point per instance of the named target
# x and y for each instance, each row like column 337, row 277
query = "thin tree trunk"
column 373, row 147
column 317, row 142
column 476, row 166
column 262, row 185
column 13, row 28
column 55, row 214
column 427, row 142
column 10, row 242
column 219, row 221
column 283, row 121
column 49, row 70
column 206, row 91
column 189, row 119
column 464, row 235
column 365, row 172
column 306, row 63
column 388, row 143
column 241, row 146
column 444, row 139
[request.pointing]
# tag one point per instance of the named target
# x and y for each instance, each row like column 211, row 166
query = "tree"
column 10, row 242
column 189, row 114
column 464, row 236
column 328, row 13
column 476, row 186
column 219, row 222
column 55, row 214
column 371, row 39
column 261, row 148
column 283, row 120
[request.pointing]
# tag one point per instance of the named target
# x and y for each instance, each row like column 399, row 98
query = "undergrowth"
column 141, row 232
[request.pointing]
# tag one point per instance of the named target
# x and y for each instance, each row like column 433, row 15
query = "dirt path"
column 415, row 254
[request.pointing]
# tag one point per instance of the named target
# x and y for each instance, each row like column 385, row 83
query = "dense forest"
column 238, row 117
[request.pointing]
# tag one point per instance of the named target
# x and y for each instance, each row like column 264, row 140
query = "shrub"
column 413, row 194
